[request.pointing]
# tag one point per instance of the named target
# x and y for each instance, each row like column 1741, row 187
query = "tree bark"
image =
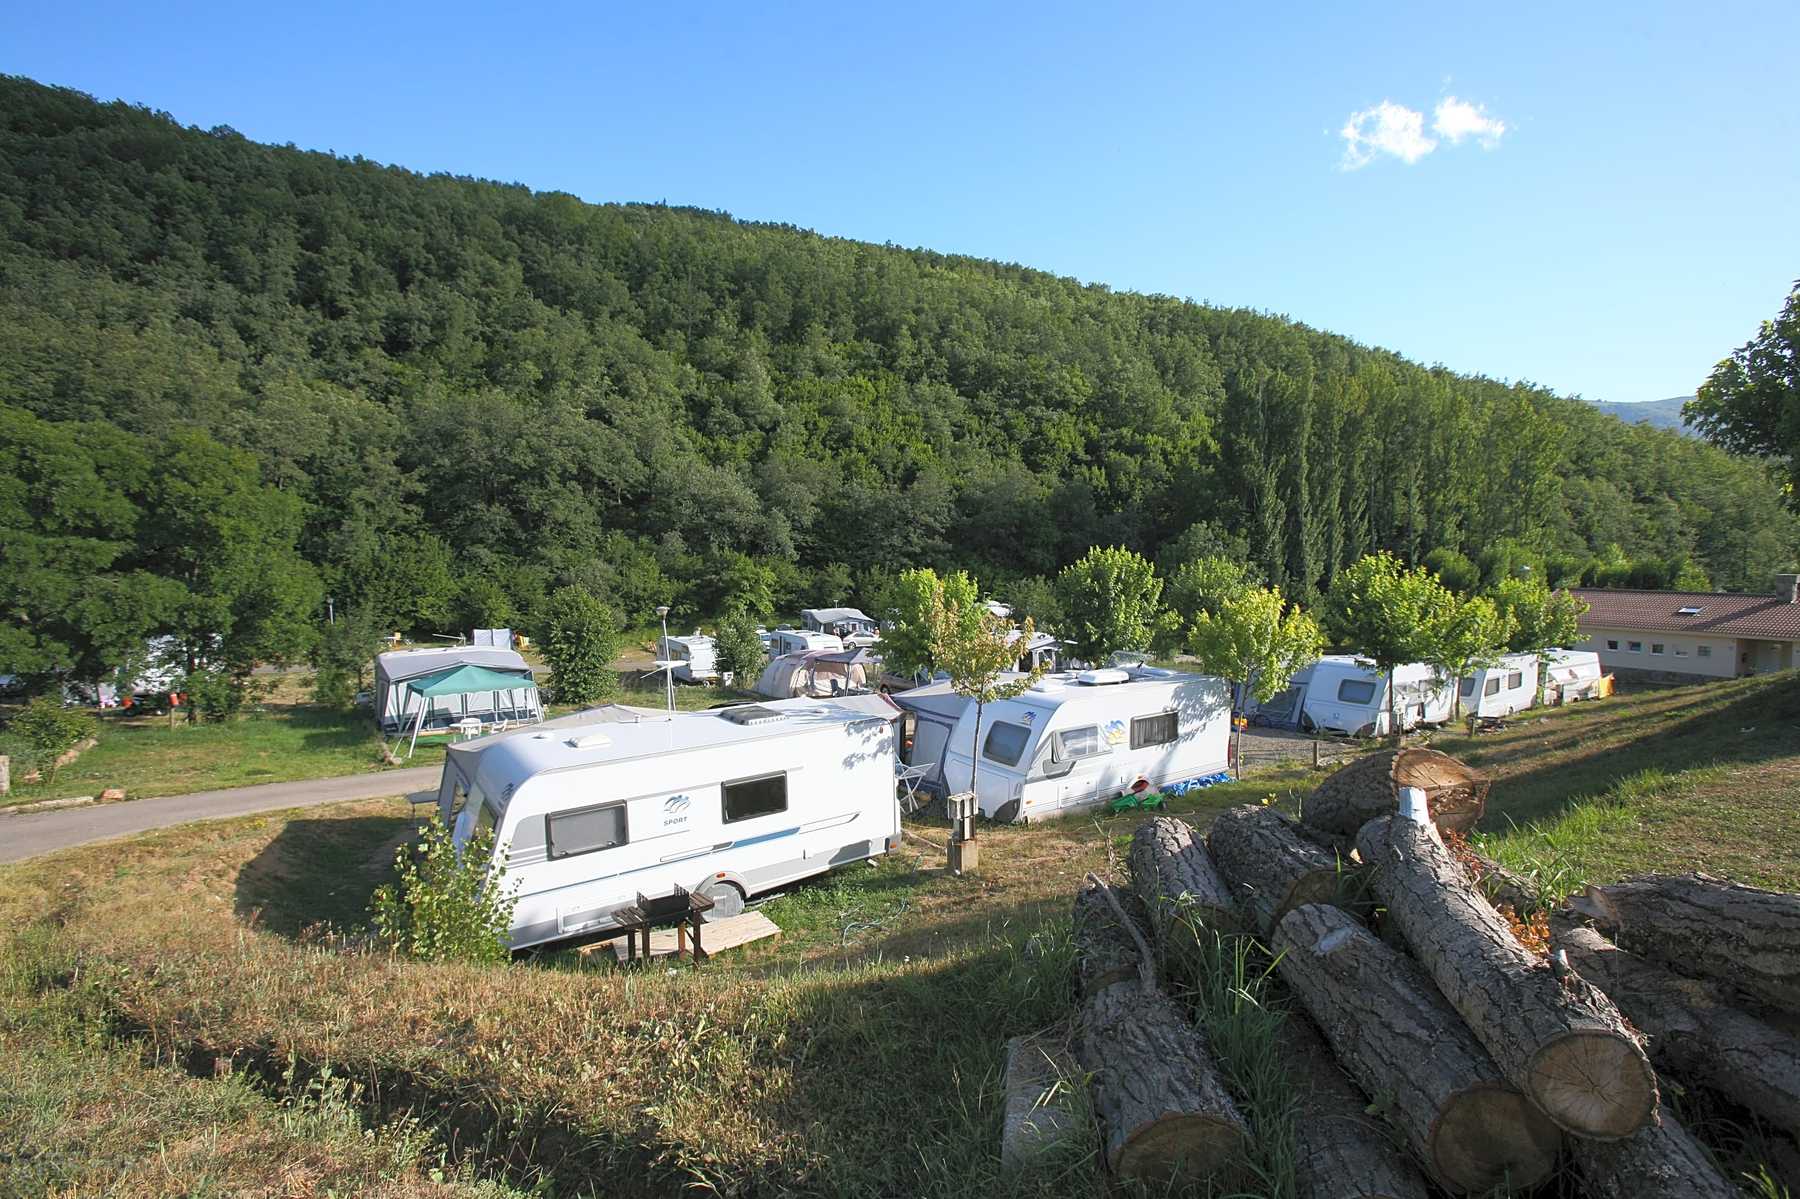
column 1554, row 1036
column 1659, row 1161
column 1743, row 937
column 1368, row 787
column 1174, row 876
column 1692, row 1035
column 1269, row 867
column 1405, row 1047
column 1105, row 952
column 1501, row 885
column 1340, row 1151
column 1166, row 1119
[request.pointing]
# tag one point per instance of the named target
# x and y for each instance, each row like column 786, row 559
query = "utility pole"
column 667, row 663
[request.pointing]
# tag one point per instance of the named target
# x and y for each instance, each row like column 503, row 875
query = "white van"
column 1072, row 741
column 728, row 803
column 1346, row 697
column 693, row 657
column 1502, row 689
column 783, row 642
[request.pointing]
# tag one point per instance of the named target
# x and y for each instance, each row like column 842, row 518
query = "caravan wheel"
column 728, row 901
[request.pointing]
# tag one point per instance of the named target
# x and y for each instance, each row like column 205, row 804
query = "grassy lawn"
column 858, row 1054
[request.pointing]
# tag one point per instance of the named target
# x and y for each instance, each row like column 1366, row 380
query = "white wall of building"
column 1675, row 653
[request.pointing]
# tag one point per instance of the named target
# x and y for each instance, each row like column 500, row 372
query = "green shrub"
column 739, row 650
column 45, row 731
column 446, row 906
column 213, row 694
column 580, row 638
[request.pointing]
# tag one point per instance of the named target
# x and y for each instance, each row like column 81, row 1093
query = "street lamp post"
column 662, row 612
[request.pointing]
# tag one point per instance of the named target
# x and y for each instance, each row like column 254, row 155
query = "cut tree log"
column 1174, row 876
column 1270, row 868
column 1407, row 1048
column 1105, row 951
column 1340, row 1151
column 1692, row 1035
column 1166, row 1119
column 1661, row 1160
column 1350, row 797
column 1555, row 1037
column 1503, row 886
column 1743, row 937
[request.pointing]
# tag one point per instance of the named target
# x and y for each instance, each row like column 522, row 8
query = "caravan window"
column 747, row 799
column 1078, row 743
column 1492, row 687
column 1160, row 729
column 1468, row 687
column 569, row 833
column 1515, row 680
column 1005, row 743
column 1356, row 691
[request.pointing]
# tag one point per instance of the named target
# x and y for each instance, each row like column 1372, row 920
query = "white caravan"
column 854, row 626
column 1072, row 741
column 783, row 642
column 396, row 707
column 1572, row 674
column 692, row 655
column 1502, row 689
column 728, row 803
column 1346, row 697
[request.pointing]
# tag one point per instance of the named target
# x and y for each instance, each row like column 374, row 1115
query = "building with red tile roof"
column 1697, row 634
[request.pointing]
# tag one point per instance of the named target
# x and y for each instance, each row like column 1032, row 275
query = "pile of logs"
column 1431, row 1050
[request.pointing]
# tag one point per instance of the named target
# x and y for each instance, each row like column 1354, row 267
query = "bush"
column 213, row 694
column 446, row 906
column 45, row 731
column 739, row 650
column 581, row 639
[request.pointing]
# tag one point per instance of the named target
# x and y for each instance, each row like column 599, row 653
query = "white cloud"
column 1387, row 128
column 1456, row 119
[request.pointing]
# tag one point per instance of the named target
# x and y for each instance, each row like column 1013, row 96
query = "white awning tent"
column 396, row 707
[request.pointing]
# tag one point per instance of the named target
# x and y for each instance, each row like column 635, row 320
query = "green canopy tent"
column 469, row 679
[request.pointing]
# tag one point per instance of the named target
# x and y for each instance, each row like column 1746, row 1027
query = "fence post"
column 5, row 774
column 1315, row 753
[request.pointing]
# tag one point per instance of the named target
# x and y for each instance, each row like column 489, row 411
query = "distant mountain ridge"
column 1660, row 414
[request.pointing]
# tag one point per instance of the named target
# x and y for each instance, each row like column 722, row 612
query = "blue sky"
column 1629, row 225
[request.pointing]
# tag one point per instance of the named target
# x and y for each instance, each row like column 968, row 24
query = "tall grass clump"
column 446, row 906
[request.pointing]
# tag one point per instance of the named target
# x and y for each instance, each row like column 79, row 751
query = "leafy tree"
column 446, row 905
column 1469, row 634
column 914, row 603
column 47, row 730
column 1454, row 570
column 739, row 650
column 1110, row 602
column 1535, row 617
column 1750, row 404
column 1199, row 586
column 1256, row 640
column 1390, row 613
column 1035, row 598
column 977, row 649
column 581, row 639
column 343, row 655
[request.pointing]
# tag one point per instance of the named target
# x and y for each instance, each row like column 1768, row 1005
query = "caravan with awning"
column 398, row 703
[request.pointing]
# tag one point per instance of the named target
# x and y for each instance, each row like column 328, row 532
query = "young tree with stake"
column 1256, row 641
column 1470, row 635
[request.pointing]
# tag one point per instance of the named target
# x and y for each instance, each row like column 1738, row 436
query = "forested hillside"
column 236, row 378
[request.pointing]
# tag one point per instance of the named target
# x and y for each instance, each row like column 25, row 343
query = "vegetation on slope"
column 236, row 379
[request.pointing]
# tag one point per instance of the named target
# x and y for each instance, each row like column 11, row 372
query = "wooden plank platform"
column 718, row 935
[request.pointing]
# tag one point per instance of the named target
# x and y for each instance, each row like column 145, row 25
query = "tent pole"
column 417, row 722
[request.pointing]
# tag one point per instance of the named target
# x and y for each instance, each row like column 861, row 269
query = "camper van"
column 1572, row 674
column 397, row 706
column 692, row 655
column 729, row 803
column 1071, row 741
column 852, row 625
column 1502, row 689
column 1344, row 696
column 803, row 641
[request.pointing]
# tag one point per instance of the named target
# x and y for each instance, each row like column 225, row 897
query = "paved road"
column 38, row 833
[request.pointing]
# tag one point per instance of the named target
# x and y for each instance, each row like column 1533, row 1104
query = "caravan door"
column 1087, row 754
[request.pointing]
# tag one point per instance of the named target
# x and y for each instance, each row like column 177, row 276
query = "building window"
column 569, row 833
column 1356, row 691
column 1636, row 647
column 1704, row 651
column 1680, row 653
column 1656, row 647
column 1515, row 680
column 1154, row 730
column 1005, row 743
column 747, row 799
column 1612, row 644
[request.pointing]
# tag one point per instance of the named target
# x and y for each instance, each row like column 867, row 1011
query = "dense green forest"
column 236, row 379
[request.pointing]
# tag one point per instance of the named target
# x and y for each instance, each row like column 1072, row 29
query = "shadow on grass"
column 320, row 872
column 1749, row 730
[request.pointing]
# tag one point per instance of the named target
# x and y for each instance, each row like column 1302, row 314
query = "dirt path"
column 38, row 833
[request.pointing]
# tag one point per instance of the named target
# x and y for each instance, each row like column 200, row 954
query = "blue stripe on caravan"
column 757, row 840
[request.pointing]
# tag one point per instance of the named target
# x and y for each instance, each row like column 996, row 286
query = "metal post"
column 662, row 612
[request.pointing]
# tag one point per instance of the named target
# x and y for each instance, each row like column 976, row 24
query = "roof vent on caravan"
column 593, row 739
column 1102, row 678
column 751, row 714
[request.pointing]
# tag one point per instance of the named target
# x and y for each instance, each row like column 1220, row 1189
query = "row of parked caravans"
column 1339, row 694
column 590, row 811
